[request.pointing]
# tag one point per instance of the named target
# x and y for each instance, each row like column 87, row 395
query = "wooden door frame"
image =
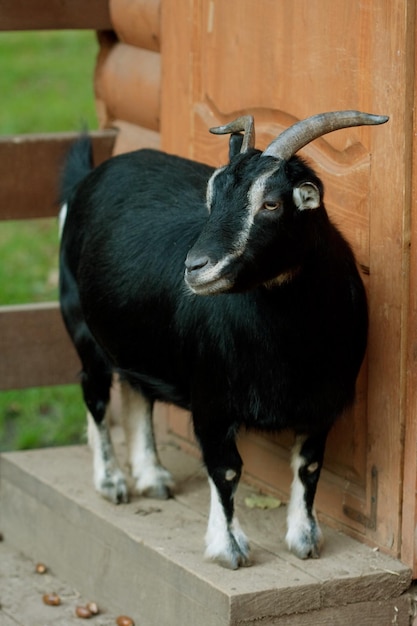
column 409, row 504
column 388, row 65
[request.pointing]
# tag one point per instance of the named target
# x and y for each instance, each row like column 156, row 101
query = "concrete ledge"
column 145, row 559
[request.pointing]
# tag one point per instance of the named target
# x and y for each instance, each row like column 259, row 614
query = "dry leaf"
column 262, row 502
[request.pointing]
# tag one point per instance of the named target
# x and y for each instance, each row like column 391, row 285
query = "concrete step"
column 145, row 559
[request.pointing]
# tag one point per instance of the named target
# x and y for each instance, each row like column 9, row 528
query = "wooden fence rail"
column 31, row 167
column 54, row 14
column 35, row 350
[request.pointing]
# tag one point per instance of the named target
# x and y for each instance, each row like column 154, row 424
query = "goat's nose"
column 194, row 263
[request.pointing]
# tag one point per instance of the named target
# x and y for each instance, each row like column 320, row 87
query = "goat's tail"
column 79, row 163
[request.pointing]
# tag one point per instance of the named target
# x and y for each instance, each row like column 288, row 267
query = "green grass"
column 46, row 81
column 46, row 85
column 41, row 417
column 29, row 266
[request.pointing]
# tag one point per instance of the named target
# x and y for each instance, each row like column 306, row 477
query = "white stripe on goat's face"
column 210, row 187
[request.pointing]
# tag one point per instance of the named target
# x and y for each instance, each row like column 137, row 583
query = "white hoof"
column 113, row 487
column 155, row 482
column 305, row 539
column 230, row 549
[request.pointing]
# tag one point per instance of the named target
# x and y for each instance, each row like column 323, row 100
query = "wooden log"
column 31, row 167
column 35, row 349
column 54, row 14
column 132, row 137
column 107, row 39
column 137, row 22
column 128, row 82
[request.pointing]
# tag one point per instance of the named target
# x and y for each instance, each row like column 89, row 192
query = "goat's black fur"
column 268, row 354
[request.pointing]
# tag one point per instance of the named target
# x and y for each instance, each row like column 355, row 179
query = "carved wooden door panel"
column 284, row 61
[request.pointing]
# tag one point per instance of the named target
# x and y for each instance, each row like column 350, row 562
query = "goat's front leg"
column 304, row 536
column 225, row 540
column 151, row 478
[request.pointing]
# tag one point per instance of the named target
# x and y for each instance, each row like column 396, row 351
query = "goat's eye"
column 271, row 206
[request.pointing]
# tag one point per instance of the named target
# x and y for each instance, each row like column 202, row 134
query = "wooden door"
column 283, row 61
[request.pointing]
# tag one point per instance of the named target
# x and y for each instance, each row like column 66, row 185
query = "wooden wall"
column 128, row 75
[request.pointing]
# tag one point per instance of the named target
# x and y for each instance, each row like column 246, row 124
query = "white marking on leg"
column 217, row 535
column 230, row 474
column 224, row 543
column 109, row 479
column 62, row 217
column 151, row 478
column 304, row 536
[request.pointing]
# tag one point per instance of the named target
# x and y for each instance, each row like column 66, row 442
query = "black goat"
column 268, row 330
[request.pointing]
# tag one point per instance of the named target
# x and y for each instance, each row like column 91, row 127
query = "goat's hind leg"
column 109, row 479
column 304, row 536
column 96, row 381
column 151, row 478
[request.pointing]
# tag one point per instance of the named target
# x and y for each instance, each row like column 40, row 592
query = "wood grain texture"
column 409, row 506
column 54, row 14
column 390, row 185
column 34, row 347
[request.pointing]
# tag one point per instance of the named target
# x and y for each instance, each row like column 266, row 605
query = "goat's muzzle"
column 204, row 277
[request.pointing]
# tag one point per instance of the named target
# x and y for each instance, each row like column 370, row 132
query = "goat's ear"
column 235, row 144
column 306, row 196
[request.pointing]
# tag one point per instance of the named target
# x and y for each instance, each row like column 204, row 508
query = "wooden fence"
column 34, row 347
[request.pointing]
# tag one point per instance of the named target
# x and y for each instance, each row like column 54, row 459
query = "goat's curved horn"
column 305, row 131
column 241, row 124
